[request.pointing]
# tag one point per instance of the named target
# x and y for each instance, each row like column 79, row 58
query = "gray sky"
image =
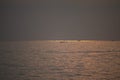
column 60, row 19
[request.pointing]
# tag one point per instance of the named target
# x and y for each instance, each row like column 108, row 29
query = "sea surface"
column 60, row 60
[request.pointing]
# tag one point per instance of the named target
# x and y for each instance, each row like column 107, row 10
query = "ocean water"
column 60, row 60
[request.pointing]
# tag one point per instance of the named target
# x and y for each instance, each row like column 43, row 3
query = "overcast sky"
column 60, row 19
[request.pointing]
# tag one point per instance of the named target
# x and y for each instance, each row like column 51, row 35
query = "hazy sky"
column 59, row 19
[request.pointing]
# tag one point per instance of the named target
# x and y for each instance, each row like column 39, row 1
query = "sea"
column 60, row 60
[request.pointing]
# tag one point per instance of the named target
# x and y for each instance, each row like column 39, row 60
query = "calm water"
column 60, row 60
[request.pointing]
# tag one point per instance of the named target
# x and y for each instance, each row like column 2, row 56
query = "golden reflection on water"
column 63, row 60
column 76, row 60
